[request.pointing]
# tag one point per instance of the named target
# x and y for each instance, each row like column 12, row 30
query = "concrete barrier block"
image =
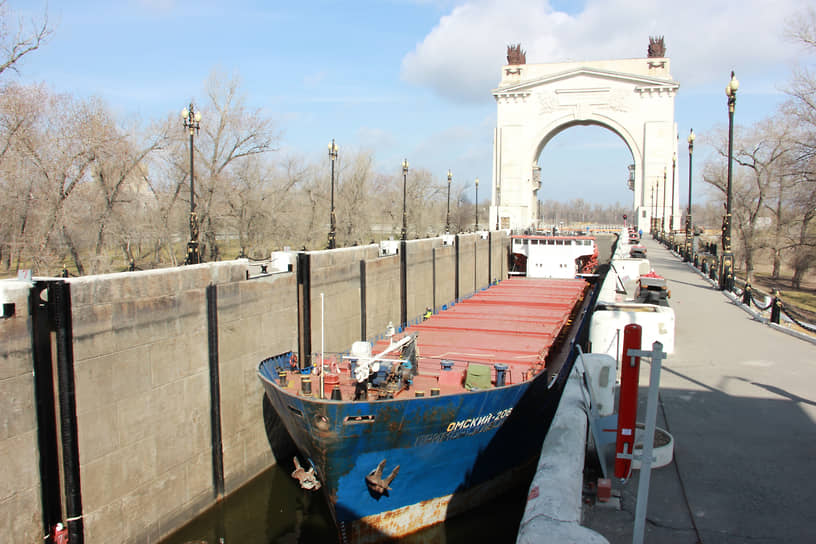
column 169, row 491
column 258, row 454
column 176, row 358
column 20, row 517
column 15, row 347
column 232, row 399
column 98, row 433
column 233, row 462
column 90, row 320
column 139, row 513
column 113, row 476
column 19, row 469
column 104, row 523
column 17, row 410
column 198, row 477
column 235, row 336
column 103, row 381
column 196, row 401
column 174, row 442
column 137, row 415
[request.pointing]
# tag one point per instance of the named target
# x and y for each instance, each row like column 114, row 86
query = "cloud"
column 462, row 56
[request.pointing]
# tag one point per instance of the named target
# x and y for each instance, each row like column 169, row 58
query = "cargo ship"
column 435, row 419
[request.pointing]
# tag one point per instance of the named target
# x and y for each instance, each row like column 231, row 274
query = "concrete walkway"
column 740, row 400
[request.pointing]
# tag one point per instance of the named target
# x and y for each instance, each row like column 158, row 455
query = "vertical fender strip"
column 215, row 392
column 50, row 492
column 59, row 295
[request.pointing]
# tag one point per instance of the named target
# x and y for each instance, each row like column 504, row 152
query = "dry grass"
column 803, row 299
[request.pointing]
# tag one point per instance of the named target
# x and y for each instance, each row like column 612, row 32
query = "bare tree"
column 20, row 39
column 118, row 173
column 229, row 134
column 61, row 147
column 760, row 154
column 801, row 109
column 19, row 112
column 355, row 206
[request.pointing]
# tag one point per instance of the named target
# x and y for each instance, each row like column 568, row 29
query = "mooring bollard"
column 746, row 294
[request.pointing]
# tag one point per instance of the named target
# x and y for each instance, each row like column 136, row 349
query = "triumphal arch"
column 634, row 98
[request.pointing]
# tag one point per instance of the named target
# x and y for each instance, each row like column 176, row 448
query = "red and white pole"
column 628, row 401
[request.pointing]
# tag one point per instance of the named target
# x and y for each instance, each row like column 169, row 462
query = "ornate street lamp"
column 192, row 120
column 447, row 217
column 654, row 210
column 689, row 240
column 333, row 229
column 671, row 215
column 477, row 203
column 498, row 207
column 663, row 215
column 404, row 232
column 727, row 263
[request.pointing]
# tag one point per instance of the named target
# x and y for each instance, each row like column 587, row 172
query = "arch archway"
column 634, row 98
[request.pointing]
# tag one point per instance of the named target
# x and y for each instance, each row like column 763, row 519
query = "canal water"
column 273, row 509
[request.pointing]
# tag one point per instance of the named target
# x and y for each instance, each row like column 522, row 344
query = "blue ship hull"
column 443, row 445
column 454, row 451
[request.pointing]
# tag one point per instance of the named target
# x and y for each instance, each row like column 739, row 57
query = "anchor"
column 307, row 478
column 376, row 485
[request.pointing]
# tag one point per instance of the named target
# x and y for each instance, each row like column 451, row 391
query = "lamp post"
column 689, row 240
column 654, row 209
column 671, row 215
column 663, row 215
column 630, row 183
column 498, row 207
column 447, row 217
column 404, row 232
column 192, row 120
column 333, row 219
column 477, row 203
column 727, row 263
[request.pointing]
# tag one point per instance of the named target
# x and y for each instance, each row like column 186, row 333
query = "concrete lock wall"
column 20, row 506
column 420, row 277
column 142, row 372
column 336, row 274
column 144, row 398
column 467, row 264
column 445, row 275
column 256, row 319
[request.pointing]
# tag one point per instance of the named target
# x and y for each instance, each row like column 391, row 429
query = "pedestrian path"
column 739, row 398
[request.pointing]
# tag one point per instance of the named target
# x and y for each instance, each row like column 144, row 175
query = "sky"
column 413, row 78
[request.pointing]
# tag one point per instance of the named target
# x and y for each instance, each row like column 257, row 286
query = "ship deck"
column 518, row 322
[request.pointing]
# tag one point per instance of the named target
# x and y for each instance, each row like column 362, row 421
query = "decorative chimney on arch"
column 515, row 55
column 657, row 47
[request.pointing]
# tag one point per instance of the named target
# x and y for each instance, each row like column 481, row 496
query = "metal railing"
column 708, row 264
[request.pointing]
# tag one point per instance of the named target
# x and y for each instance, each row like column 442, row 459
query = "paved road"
column 740, row 400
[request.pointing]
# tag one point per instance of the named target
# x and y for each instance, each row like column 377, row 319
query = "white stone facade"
column 632, row 97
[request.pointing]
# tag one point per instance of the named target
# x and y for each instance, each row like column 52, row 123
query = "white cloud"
column 461, row 57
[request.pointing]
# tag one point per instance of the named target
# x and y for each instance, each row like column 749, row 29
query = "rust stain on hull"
column 414, row 523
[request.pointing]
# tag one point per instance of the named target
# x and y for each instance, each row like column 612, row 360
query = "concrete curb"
column 553, row 511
